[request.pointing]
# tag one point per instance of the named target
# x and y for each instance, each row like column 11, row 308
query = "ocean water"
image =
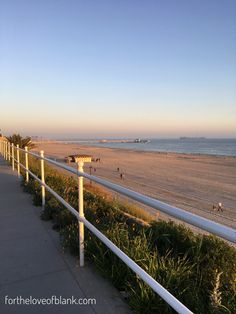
column 219, row 147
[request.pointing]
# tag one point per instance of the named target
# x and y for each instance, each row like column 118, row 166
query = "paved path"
column 32, row 263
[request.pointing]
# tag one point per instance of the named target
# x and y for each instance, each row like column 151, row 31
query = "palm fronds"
column 21, row 141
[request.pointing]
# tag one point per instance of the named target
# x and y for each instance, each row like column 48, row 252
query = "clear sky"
column 118, row 68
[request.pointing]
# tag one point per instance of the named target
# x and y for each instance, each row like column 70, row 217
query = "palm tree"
column 23, row 142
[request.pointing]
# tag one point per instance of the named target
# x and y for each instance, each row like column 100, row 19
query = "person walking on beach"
column 122, row 176
column 220, row 207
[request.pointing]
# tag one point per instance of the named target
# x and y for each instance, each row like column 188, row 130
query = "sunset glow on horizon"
column 105, row 69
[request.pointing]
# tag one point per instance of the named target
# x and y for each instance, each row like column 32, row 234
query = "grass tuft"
column 200, row 270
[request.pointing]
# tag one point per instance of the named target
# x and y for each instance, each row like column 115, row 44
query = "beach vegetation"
column 17, row 139
column 198, row 269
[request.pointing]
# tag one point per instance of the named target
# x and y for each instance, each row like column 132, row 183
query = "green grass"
column 199, row 270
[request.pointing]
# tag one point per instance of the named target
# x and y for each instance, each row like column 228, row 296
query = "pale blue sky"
column 118, row 68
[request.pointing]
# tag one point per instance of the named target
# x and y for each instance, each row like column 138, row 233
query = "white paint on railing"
column 26, row 165
column 192, row 219
column 18, row 159
column 42, row 177
column 12, row 157
column 198, row 221
column 9, row 151
column 81, row 212
column 159, row 289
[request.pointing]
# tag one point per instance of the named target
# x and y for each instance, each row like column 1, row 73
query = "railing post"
column 18, row 159
column 26, row 164
column 6, row 150
column 9, row 151
column 13, row 157
column 81, row 213
column 42, row 178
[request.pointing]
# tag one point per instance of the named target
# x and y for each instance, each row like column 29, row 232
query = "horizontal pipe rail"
column 159, row 289
column 198, row 221
column 205, row 224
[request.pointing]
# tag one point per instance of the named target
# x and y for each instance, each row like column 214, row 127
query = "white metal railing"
column 7, row 150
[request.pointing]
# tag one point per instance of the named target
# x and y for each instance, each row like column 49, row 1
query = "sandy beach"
column 192, row 182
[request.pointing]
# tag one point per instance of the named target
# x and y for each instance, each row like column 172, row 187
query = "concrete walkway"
column 32, row 264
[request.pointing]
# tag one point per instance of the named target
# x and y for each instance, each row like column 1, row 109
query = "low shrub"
column 200, row 270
